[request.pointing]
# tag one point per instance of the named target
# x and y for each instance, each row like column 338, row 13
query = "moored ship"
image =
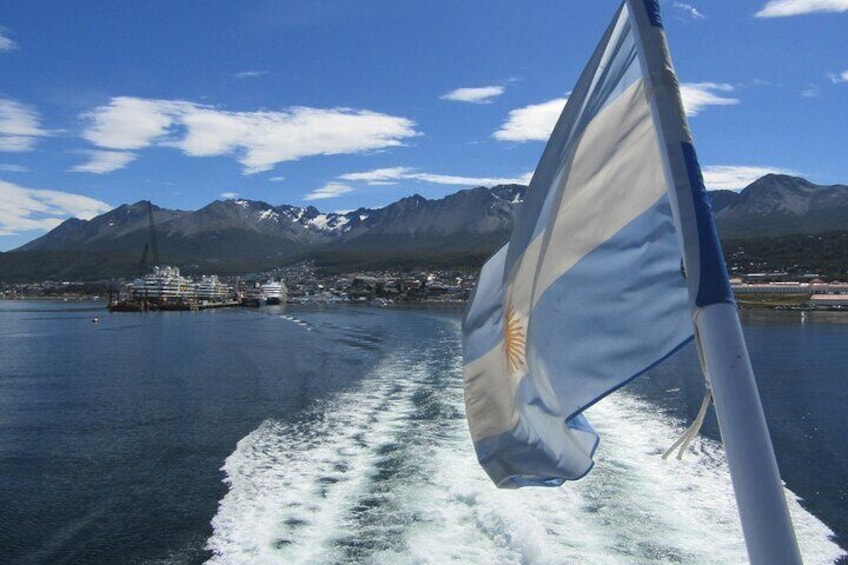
column 274, row 291
column 166, row 289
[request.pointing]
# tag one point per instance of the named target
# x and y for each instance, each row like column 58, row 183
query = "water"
column 337, row 435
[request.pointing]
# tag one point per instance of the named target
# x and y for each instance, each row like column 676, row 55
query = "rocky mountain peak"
column 470, row 222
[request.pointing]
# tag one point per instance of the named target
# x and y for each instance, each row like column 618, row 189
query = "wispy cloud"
column 737, row 177
column 689, row 9
column 277, row 179
column 100, row 162
column 396, row 174
column 258, row 140
column 782, row 8
column 6, row 43
column 531, row 123
column 28, row 209
column 330, row 190
column 479, row 95
column 249, row 74
column 383, row 176
column 810, row 92
column 697, row 96
column 837, row 78
column 229, row 195
column 7, row 168
column 20, row 127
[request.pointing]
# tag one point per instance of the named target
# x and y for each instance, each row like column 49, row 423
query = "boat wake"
column 297, row 321
column 385, row 473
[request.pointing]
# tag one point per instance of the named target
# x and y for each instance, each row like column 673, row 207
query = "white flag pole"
column 766, row 525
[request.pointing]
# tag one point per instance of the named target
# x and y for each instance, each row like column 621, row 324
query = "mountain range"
column 462, row 229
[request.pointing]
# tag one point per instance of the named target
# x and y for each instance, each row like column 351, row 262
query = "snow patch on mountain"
column 269, row 214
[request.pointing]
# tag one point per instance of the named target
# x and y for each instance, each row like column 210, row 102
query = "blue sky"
column 341, row 104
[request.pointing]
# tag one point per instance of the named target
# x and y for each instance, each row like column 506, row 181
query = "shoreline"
column 746, row 301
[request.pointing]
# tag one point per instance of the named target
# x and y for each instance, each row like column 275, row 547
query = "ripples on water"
column 342, row 438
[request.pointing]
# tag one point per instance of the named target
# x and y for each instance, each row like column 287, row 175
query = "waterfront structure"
column 790, row 288
column 829, row 301
column 275, row 292
column 164, row 284
column 166, row 289
column 210, row 288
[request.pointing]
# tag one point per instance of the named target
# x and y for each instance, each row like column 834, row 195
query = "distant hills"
column 235, row 236
column 779, row 205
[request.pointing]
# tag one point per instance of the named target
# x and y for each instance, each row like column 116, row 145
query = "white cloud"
column 697, row 96
column 810, row 92
column 17, row 143
column 330, row 190
column 531, row 123
column 732, row 177
column 379, row 177
column 277, row 179
column 101, row 162
column 7, row 168
column 472, row 181
column 780, row 8
column 210, row 132
column 27, row 209
column 20, row 127
column 480, row 95
column 132, row 123
column 691, row 10
column 249, row 74
column 258, row 140
column 836, row 79
column 6, row 43
column 229, row 195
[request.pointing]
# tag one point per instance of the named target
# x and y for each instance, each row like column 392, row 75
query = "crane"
column 154, row 242
column 142, row 265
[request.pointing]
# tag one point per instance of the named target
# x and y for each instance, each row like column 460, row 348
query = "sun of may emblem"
column 514, row 340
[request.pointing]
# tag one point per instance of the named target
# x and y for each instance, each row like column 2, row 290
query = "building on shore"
column 789, row 287
column 829, row 301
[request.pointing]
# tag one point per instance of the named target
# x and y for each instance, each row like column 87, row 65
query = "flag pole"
column 766, row 524
column 761, row 503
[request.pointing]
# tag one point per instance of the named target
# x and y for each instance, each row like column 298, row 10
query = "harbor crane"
column 143, row 266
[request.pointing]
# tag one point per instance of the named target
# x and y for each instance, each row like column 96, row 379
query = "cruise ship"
column 164, row 285
column 166, row 289
column 274, row 291
column 209, row 288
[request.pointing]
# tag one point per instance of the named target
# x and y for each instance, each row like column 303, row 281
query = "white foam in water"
column 296, row 489
column 297, row 321
column 290, row 484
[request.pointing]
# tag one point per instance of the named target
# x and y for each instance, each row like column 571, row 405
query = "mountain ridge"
column 228, row 236
column 777, row 205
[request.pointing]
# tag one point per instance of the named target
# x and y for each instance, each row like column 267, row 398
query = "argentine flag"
column 612, row 253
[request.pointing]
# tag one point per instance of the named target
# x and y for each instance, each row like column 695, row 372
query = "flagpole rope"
column 690, row 433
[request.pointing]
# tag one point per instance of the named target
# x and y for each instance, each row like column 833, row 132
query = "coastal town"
column 166, row 288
